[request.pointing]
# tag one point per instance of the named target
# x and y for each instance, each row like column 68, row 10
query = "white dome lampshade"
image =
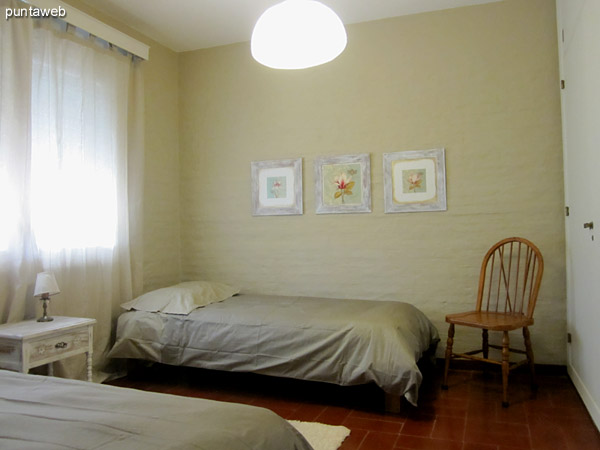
column 297, row 34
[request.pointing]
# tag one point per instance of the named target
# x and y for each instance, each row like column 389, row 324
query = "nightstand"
column 28, row 344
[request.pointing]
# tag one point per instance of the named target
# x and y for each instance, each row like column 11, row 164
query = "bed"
column 38, row 412
column 346, row 342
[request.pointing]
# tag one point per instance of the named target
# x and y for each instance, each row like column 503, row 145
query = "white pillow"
column 182, row 298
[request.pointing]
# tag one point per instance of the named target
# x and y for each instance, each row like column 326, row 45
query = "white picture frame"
column 277, row 187
column 343, row 184
column 414, row 181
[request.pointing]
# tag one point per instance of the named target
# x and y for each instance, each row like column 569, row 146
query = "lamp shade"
column 45, row 283
column 297, row 34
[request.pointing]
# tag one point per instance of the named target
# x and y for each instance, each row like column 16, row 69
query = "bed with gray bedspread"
column 346, row 342
column 38, row 412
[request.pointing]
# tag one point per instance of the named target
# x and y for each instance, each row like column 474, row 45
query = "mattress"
column 38, row 412
column 346, row 342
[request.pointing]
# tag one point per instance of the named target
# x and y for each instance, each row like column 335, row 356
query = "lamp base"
column 45, row 317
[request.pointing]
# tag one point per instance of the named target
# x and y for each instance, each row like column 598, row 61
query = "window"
column 75, row 154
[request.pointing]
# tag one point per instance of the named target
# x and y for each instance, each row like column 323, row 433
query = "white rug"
column 321, row 436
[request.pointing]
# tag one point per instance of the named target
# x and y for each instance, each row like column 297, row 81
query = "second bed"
column 346, row 342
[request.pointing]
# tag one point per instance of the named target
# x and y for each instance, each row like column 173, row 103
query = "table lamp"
column 45, row 286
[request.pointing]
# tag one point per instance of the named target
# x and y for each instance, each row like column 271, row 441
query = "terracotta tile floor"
column 468, row 416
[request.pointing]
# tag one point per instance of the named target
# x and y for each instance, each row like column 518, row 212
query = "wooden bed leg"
column 392, row 403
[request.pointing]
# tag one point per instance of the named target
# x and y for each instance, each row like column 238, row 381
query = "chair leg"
column 485, row 350
column 505, row 368
column 485, row 344
column 449, row 344
column 529, row 353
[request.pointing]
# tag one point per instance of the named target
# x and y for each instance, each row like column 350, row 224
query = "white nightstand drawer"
column 10, row 355
column 58, row 345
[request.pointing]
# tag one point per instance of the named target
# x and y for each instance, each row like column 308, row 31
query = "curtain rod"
column 97, row 28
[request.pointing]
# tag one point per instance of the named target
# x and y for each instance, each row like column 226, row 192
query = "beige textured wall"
column 480, row 81
column 161, row 167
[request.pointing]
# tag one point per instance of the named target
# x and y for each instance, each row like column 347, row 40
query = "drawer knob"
column 61, row 345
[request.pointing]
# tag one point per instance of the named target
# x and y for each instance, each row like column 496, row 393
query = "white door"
column 579, row 28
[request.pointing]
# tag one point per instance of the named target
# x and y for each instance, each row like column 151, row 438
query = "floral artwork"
column 414, row 181
column 339, row 184
column 277, row 187
column 343, row 184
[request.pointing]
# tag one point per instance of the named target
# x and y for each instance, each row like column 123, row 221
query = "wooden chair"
column 509, row 282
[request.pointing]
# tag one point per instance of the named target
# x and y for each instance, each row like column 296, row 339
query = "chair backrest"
column 510, row 277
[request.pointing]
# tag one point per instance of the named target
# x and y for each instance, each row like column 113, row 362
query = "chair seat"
column 490, row 320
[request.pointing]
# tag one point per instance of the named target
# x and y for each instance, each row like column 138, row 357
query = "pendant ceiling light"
column 297, row 34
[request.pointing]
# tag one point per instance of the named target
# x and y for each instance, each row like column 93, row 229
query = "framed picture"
column 343, row 184
column 414, row 181
column 277, row 187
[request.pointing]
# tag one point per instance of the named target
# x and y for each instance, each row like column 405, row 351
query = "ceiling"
column 184, row 25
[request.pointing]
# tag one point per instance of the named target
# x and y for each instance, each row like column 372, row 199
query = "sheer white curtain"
column 18, row 264
column 76, row 181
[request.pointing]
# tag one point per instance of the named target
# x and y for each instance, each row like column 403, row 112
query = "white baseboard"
column 588, row 400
